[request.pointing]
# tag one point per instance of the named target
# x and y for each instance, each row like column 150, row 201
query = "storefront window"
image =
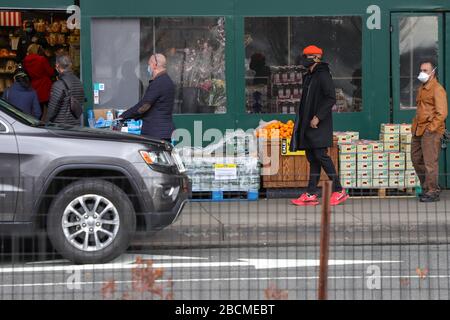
column 195, row 52
column 273, row 51
column 418, row 42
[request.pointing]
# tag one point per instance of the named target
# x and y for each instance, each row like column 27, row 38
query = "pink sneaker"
column 338, row 198
column 306, row 200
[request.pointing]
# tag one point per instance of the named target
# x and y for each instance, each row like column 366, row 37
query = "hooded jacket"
column 40, row 72
column 25, row 99
column 318, row 99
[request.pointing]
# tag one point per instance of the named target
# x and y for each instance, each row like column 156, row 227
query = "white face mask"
column 424, row 77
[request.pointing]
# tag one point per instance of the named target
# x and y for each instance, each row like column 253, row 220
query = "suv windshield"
column 18, row 115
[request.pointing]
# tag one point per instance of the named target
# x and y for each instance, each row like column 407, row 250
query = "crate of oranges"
column 276, row 130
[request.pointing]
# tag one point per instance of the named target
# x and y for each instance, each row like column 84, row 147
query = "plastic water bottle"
column 109, row 116
column 91, row 119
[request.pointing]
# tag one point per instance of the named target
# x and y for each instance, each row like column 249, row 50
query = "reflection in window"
column 418, row 40
column 273, row 51
column 2, row 127
column 195, row 51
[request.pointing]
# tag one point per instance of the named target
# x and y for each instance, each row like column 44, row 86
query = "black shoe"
column 428, row 198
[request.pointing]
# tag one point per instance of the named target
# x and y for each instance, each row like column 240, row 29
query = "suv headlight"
column 178, row 161
column 158, row 158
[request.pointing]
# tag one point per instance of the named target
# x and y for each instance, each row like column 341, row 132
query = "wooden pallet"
column 382, row 193
column 223, row 196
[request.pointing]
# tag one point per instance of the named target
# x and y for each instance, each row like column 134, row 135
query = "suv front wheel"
column 91, row 221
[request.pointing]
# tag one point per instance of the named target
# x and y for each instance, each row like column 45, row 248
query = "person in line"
column 156, row 107
column 313, row 130
column 428, row 128
column 22, row 95
column 41, row 73
column 59, row 109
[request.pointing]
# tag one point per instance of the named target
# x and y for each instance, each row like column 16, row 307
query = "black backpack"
column 75, row 106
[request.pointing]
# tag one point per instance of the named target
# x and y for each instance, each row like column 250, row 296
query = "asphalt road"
column 373, row 273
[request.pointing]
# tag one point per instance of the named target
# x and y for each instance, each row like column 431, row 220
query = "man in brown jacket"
column 428, row 129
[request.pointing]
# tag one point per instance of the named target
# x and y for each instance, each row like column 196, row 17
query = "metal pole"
column 325, row 241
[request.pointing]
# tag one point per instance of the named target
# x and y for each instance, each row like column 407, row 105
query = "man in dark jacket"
column 313, row 130
column 156, row 107
column 59, row 110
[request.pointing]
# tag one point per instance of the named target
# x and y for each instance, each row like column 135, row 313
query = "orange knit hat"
column 312, row 50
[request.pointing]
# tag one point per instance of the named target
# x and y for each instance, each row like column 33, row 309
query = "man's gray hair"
column 64, row 62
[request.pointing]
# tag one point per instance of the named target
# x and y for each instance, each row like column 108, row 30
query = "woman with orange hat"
column 313, row 130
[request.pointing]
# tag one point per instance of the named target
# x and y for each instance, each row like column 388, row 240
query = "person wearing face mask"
column 26, row 35
column 156, row 107
column 313, row 130
column 428, row 128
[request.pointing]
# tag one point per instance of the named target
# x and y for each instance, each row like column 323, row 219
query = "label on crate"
column 225, row 171
column 347, row 175
column 347, row 157
column 285, row 147
column 394, row 146
column 390, row 137
column 412, row 183
column 380, row 174
column 381, row 165
column 347, row 148
column 365, row 157
column 380, row 183
column 390, row 128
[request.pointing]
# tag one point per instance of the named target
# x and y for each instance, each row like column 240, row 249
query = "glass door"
column 415, row 37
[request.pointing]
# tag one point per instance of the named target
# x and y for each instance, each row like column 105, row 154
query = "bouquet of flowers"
column 213, row 93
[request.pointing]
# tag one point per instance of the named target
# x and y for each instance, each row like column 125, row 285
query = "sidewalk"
column 277, row 222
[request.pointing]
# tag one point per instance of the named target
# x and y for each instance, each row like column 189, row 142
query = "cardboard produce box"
column 406, row 138
column 405, row 128
column 390, row 128
column 390, row 137
column 392, row 147
column 380, row 183
column 364, row 165
column 365, row 183
column 349, row 183
column 381, row 156
column 381, row 165
column 380, row 174
column 405, row 148
column 348, row 165
column 409, row 165
column 364, row 147
column 365, row 157
column 347, row 148
column 396, row 156
column 395, row 182
column 349, row 175
column 347, row 157
column 397, row 165
column 377, row 146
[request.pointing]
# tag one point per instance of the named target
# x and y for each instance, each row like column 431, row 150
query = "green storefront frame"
column 376, row 51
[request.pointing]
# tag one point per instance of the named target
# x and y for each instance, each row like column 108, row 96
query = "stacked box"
column 411, row 179
column 389, row 128
column 381, row 169
column 348, row 167
column 396, row 179
column 344, row 137
column 408, row 162
column 405, row 128
column 377, row 146
column 396, row 161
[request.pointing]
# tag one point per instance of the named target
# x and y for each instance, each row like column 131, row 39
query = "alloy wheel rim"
column 90, row 223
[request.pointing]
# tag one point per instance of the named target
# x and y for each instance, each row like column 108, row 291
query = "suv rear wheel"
column 91, row 221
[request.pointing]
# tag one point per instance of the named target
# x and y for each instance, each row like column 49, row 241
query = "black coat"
column 318, row 100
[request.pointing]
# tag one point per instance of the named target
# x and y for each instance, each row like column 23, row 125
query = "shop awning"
column 10, row 19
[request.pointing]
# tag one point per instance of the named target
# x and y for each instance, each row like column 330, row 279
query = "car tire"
column 114, row 207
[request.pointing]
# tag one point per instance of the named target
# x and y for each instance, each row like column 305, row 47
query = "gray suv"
column 89, row 190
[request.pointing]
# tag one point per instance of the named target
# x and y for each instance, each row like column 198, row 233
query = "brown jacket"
column 432, row 109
